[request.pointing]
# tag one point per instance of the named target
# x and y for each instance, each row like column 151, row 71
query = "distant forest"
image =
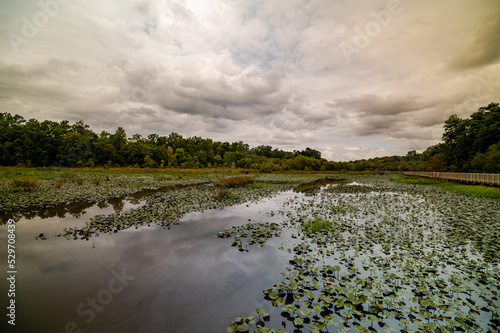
column 468, row 145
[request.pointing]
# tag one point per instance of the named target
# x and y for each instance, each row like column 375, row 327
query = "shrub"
column 25, row 183
column 234, row 181
column 269, row 167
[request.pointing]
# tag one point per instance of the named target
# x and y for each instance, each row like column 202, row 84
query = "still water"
column 139, row 280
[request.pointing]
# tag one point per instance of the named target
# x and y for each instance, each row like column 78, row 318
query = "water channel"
column 148, row 279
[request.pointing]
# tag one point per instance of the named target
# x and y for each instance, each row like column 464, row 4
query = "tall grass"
column 27, row 184
column 235, row 181
column 473, row 190
column 51, row 173
column 225, row 193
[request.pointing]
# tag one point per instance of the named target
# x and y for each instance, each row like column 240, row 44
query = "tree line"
column 32, row 143
column 468, row 145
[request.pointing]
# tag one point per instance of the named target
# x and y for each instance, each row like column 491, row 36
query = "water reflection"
column 78, row 209
column 178, row 280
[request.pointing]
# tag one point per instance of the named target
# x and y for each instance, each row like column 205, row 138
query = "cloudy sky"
column 352, row 78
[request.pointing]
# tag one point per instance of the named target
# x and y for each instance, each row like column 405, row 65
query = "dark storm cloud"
column 482, row 45
column 395, row 116
column 206, row 90
column 371, row 104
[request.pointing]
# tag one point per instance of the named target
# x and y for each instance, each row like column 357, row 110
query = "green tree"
column 148, row 162
column 75, row 150
column 180, row 156
column 170, row 156
column 463, row 139
column 489, row 161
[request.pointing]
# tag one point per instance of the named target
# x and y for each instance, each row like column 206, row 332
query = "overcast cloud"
column 354, row 79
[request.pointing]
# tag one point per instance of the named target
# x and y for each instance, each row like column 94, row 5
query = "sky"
column 353, row 79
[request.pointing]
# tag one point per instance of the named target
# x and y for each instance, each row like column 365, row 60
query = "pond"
column 149, row 279
column 359, row 256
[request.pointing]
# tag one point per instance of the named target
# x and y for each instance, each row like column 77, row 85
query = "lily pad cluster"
column 167, row 208
column 241, row 324
column 250, row 234
column 65, row 189
column 392, row 258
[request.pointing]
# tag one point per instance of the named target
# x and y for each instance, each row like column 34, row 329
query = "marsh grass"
column 256, row 185
column 62, row 185
column 78, row 180
column 51, row 173
column 225, row 194
column 316, row 225
column 59, row 183
column 472, row 190
column 419, row 180
column 27, row 184
column 236, row 181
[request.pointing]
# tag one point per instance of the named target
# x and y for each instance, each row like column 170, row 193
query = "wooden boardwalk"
column 476, row 178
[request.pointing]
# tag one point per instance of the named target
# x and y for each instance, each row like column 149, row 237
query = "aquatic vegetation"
column 98, row 180
column 241, row 324
column 338, row 209
column 42, row 236
column 390, row 258
column 64, row 188
column 225, row 193
column 316, row 225
column 56, row 187
column 365, row 254
column 234, row 181
column 165, row 208
column 256, row 233
column 59, row 183
column 78, row 180
column 256, row 185
column 27, row 184
column 473, row 190
column 315, row 186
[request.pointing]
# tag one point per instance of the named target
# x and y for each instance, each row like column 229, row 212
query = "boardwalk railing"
column 478, row 178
